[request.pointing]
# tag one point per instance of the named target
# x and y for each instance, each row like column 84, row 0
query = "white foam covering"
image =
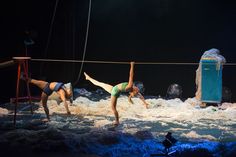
column 140, row 133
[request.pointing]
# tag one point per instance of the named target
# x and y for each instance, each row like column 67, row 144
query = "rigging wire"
column 121, row 62
column 6, row 63
column 50, row 33
column 85, row 43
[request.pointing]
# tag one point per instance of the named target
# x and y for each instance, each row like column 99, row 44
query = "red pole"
column 17, row 90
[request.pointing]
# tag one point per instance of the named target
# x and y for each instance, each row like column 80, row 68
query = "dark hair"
column 140, row 86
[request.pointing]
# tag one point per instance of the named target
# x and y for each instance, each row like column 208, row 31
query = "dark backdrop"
column 124, row 30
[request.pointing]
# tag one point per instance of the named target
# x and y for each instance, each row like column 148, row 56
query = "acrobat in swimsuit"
column 116, row 91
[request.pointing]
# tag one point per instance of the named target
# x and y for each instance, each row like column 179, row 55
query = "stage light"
column 226, row 94
column 29, row 34
column 168, row 142
column 174, row 91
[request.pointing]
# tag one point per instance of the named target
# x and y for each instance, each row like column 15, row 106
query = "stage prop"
column 211, row 81
column 22, row 68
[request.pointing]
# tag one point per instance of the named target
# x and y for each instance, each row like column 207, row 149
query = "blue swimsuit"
column 48, row 91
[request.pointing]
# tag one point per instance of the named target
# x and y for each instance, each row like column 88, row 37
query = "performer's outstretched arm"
column 143, row 100
column 130, row 100
column 131, row 76
column 140, row 97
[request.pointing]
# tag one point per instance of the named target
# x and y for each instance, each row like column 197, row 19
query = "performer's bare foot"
column 45, row 120
column 203, row 105
column 115, row 124
column 86, row 76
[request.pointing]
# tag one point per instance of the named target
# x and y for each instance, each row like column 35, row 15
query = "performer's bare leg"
column 44, row 98
column 113, row 107
column 39, row 83
column 105, row 86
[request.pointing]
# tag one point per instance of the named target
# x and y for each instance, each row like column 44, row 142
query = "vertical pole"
column 17, row 90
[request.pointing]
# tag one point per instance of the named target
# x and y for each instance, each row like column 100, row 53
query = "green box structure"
column 211, row 81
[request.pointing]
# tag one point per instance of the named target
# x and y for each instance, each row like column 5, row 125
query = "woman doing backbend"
column 48, row 89
column 117, row 89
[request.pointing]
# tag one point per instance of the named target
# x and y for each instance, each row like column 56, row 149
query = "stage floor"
column 209, row 131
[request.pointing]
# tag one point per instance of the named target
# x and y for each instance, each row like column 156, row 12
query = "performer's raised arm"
column 131, row 77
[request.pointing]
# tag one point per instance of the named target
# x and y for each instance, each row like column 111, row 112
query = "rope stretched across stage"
column 11, row 62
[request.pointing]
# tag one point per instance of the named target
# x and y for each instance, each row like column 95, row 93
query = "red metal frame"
column 22, row 62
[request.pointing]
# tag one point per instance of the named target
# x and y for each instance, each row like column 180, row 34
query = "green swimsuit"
column 115, row 90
